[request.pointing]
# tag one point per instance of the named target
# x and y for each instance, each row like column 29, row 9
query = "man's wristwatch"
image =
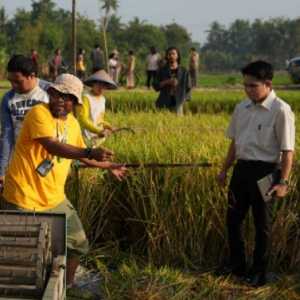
column 88, row 152
column 284, row 182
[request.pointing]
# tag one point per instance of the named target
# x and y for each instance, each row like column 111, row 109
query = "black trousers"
column 150, row 77
column 243, row 195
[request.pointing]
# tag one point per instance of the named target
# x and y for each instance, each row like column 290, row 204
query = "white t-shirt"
column 152, row 62
column 20, row 104
column 97, row 111
column 112, row 63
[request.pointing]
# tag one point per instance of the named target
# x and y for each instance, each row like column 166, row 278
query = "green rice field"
column 160, row 233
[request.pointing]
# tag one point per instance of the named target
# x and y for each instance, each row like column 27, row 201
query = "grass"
column 217, row 80
column 229, row 79
column 134, row 280
column 203, row 100
column 209, row 80
column 160, row 233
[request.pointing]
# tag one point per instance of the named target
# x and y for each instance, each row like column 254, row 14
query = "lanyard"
column 61, row 138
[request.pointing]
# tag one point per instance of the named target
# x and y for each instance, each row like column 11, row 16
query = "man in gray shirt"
column 262, row 133
column 27, row 90
column 97, row 59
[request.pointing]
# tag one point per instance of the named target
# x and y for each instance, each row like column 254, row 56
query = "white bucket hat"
column 68, row 84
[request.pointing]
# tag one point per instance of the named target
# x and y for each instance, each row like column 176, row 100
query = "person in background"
column 173, row 83
column 153, row 60
column 112, row 66
column 48, row 141
column 130, row 70
column 91, row 113
column 162, row 61
column 80, row 64
column 27, row 90
column 262, row 133
column 55, row 64
column 97, row 59
column 35, row 58
column 194, row 67
column 119, row 66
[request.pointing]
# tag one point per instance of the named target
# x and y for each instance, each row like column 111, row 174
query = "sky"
column 195, row 15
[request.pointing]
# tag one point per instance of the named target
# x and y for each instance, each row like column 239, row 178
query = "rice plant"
column 174, row 218
column 203, row 100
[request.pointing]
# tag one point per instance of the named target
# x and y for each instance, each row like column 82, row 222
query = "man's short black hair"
column 178, row 53
column 22, row 64
column 152, row 49
column 259, row 69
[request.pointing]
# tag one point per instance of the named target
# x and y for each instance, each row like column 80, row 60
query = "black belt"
column 244, row 162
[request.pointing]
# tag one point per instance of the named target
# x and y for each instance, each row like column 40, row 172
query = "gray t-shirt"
column 97, row 59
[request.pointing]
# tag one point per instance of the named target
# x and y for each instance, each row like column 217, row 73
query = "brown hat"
column 101, row 77
column 68, row 84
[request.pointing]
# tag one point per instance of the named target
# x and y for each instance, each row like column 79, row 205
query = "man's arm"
column 160, row 81
column 231, row 154
column 56, row 148
column 97, row 157
column 285, row 133
column 286, row 164
column 286, row 167
column 188, row 85
column 118, row 170
column 7, row 136
column 229, row 160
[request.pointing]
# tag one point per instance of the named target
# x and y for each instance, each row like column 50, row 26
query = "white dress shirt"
column 261, row 131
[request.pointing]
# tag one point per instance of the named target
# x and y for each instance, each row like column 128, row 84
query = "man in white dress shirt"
column 262, row 133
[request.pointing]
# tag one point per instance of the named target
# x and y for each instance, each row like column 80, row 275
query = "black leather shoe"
column 256, row 279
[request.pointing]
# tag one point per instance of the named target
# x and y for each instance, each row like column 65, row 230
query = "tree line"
column 275, row 40
column 46, row 27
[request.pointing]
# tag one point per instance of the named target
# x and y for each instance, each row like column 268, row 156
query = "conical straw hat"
column 101, row 77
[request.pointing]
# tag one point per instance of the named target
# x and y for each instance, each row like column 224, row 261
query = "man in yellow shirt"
column 49, row 139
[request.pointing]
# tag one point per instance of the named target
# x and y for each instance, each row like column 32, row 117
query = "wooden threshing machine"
column 32, row 256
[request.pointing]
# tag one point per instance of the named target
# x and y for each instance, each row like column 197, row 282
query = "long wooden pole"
column 74, row 35
column 158, row 165
column 104, row 31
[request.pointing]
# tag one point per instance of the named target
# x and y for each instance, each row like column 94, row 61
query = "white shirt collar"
column 267, row 103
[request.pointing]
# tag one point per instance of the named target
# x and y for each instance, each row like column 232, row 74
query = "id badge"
column 44, row 167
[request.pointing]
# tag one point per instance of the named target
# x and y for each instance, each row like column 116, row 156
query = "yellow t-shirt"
column 23, row 185
column 80, row 63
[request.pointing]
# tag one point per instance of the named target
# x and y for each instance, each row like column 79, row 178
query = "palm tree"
column 108, row 7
